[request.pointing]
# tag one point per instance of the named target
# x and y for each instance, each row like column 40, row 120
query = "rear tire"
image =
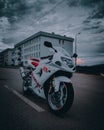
column 65, row 101
column 25, row 88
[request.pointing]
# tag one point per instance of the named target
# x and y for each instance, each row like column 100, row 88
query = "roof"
column 46, row 34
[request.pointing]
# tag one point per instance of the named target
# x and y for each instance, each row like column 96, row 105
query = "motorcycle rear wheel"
column 61, row 101
column 25, row 88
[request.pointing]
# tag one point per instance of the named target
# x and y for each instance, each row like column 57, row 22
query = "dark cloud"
column 91, row 27
column 7, row 40
column 52, row 1
column 96, row 5
column 15, row 14
column 12, row 9
column 98, row 9
column 38, row 5
column 15, row 10
column 100, row 48
column 90, row 2
column 86, row 21
column 101, row 30
column 72, row 2
column 97, row 14
column 94, row 22
column 2, row 6
column 22, row 18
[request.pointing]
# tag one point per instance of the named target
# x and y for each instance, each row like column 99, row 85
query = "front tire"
column 61, row 101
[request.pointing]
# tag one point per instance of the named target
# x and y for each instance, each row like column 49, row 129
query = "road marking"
column 26, row 100
column 6, row 86
column 102, row 74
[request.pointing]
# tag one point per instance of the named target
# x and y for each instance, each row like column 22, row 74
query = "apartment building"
column 6, row 57
column 33, row 46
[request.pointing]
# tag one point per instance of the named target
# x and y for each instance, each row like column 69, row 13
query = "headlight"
column 58, row 63
column 68, row 62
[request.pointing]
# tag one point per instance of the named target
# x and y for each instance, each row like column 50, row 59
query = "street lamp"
column 76, row 47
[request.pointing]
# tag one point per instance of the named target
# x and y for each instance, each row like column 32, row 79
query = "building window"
column 39, row 46
column 59, row 41
column 62, row 41
column 34, row 54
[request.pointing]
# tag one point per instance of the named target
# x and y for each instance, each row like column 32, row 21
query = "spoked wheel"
column 61, row 101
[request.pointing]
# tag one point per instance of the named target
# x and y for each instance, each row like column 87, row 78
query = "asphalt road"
column 86, row 113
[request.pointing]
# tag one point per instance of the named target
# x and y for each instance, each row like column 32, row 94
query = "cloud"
column 21, row 19
column 90, row 2
column 94, row 26
column 4, row 46
column 85, row 3
column 4, row 27
column 10, row 8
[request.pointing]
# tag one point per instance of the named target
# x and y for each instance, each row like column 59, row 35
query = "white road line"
column 6, row 86
column 102, row 74
column 26, row 100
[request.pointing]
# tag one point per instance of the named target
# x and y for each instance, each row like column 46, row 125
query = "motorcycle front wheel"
column 61, row 101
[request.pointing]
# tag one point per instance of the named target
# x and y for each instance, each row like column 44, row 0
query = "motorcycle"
column 50, row 79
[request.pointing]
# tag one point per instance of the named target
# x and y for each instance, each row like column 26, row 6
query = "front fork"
column 57, row 80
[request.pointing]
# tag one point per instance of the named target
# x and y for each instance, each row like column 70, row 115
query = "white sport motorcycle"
column 50, row 77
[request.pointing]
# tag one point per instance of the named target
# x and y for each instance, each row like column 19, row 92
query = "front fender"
column 58, row 80
column 63, row 79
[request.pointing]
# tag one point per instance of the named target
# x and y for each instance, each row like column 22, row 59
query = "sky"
column 20, row 19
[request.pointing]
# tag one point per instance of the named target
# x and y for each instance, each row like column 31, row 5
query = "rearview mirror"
column 48, row 44
column 75, row 55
